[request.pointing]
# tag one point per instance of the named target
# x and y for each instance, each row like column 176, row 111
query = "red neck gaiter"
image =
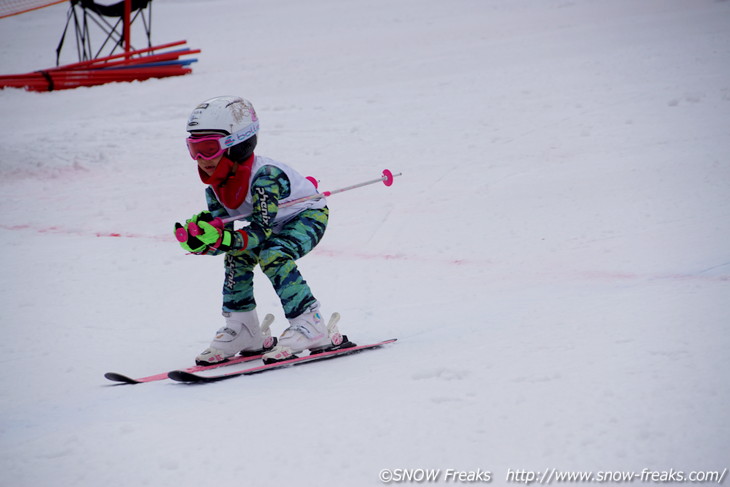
column 230, row 181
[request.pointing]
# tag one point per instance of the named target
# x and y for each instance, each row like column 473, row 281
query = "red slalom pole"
column 102, row 61
column 127, row 29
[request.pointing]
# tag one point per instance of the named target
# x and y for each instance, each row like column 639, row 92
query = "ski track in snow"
column 554, row 260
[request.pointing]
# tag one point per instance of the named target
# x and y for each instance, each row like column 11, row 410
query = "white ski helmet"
column 231, row 116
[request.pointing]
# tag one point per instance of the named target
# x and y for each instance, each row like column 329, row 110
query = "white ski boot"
column 241, row 334
column 307, row 331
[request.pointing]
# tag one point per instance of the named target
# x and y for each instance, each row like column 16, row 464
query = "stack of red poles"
column 134, row 65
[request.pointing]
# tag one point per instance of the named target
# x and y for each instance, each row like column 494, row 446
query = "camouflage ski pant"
column 276, row 256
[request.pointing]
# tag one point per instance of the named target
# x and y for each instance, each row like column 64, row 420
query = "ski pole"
column 193, row 230
column 386, row 179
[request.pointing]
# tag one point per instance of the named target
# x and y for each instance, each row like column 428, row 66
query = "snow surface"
column 554, row 260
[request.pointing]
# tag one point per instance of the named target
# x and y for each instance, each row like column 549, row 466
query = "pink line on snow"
column 414, row 258
column 632, row 276
column 483, row 263
column 328, row 252
column 82, row 233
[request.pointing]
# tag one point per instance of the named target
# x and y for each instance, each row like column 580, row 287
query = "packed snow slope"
column 554, row 260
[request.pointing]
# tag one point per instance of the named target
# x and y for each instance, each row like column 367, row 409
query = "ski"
column 193, row 377
column 125, row 379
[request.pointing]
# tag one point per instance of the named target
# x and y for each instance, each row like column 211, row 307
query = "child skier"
column 223, row 134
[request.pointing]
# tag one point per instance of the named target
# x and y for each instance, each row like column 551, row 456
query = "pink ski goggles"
column 208, row 147
column 213, row 145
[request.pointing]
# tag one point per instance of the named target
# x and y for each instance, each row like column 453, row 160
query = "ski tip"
column 114, row 377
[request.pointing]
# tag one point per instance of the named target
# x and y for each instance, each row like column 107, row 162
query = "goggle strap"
column 238, row 137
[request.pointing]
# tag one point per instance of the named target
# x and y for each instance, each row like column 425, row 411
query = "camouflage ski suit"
column 276, row 237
